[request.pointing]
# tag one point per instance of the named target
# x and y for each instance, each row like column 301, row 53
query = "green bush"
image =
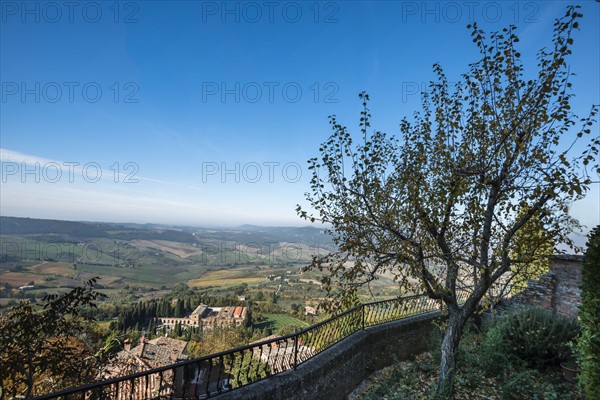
column 469, row 358
column 496, row 359
column 589, row 317
column 532, row 335
column 529, row 385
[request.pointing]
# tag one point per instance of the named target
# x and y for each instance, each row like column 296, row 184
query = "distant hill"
column 25, row 226
column 35, row 226
column 184, row 234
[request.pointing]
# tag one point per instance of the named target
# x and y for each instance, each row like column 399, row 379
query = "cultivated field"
column 182, row 250
column 277, row 321
column 235, row 276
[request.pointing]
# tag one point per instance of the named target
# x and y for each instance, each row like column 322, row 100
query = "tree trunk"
column 452, row 335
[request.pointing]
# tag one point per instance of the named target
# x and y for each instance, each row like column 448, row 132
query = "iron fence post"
column 295, row 351
column 363, row 316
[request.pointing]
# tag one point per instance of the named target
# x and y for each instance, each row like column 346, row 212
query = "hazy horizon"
column 176, row 225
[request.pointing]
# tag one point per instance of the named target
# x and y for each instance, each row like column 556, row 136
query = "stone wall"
column 567, row 294
column 558, row 290
column 334, row 373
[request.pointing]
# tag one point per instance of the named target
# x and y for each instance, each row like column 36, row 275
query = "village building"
column 146, row 355
column 209, row 317
column 308, row 310
column 279, row 355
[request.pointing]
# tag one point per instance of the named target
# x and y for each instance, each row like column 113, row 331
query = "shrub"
column 470, row 360
column 496, row 359
column 589, row 317
column 532, row 335
column 528, row 385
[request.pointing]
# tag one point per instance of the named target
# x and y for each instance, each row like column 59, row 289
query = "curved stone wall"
column 334, row 373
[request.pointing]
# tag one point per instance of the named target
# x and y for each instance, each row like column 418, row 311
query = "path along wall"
column 334, row 373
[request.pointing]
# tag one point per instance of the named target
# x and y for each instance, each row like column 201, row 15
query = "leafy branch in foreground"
column 41, row 350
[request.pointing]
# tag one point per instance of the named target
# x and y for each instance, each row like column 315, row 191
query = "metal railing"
column 214, row 374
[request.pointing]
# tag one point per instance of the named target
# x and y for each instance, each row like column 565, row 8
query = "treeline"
column 168, row 235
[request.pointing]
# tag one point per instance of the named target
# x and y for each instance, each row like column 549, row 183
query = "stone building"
column 209, row 317
column 308, row 310
column 147, row 354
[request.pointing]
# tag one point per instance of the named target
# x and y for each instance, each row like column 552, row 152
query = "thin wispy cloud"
column 10, row 156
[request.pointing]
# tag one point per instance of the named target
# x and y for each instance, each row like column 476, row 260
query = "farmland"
column 276, row 322
column 54, row 256
column 235, row 276
column 140, row 262
column 182, row 250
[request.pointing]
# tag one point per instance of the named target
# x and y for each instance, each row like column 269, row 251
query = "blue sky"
column 141, row 107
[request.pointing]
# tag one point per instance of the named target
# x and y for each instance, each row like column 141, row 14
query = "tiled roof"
column 199, row 310
column 238, row 312
column 177, row 346
column 155, row 353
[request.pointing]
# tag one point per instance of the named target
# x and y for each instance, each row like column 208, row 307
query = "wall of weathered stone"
column 334, row 373
column 558, row 290
column 567, row 294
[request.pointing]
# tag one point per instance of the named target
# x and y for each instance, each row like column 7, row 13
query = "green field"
column 142, row 275
column 277, row 321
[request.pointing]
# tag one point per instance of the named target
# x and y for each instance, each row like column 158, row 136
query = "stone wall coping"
column 299, row 383
column 567, row 257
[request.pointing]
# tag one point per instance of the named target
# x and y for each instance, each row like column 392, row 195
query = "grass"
column 54, row 290
column 182, row 250
column 143, row 275
column 278, row 321
column 97, row 257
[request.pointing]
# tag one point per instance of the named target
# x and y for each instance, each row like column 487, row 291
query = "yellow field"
column 179, row 249
column 20, row 278
column 54, row 268
column 228, row 278
column 231, row 277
